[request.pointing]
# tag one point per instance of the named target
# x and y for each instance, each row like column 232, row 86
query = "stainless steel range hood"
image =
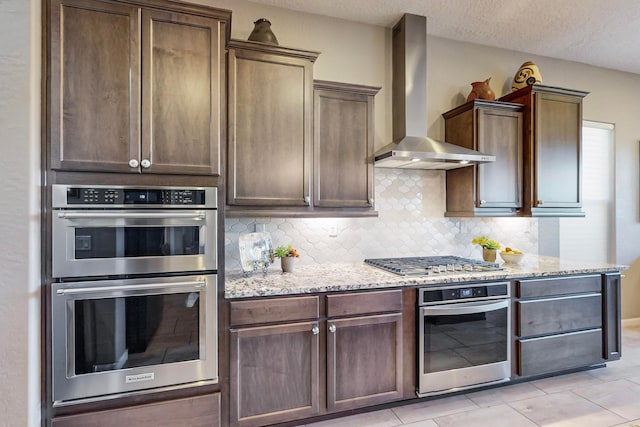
column 411, row 148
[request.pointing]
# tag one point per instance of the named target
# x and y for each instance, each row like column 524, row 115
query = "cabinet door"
column 182, row 63
column 270, row 106
column 343, row 145
column 274, row 373
column 364, row 361
column 557, row 151
column 612, row 316
column 201, row 411
column 498, row 183
column 95, row 85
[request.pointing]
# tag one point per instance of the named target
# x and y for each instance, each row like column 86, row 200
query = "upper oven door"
column 124, row 242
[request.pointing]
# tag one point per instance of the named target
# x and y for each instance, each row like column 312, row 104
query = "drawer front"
column 274, row 310
column 364, row 303
column 555, row 315
column 559, row 352
column 558, row 286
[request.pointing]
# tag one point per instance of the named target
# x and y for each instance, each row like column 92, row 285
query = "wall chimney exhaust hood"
column 411, row 148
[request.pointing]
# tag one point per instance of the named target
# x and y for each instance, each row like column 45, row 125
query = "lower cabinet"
column 559, row 324
column 201, row 411
column 281, row 369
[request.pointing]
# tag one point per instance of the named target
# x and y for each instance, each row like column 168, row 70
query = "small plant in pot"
column 287, row 254
column 489, row 247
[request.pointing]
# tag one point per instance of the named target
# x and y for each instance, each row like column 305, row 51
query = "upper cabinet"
column 270, row 116
column 343, row 138
column 488, row 189
column 295, row 148
column 135, row 89
column 552, row 150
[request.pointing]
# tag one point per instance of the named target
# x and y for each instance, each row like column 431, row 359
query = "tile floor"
column 605, row 397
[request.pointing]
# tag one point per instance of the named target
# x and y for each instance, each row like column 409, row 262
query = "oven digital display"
column 466, row 293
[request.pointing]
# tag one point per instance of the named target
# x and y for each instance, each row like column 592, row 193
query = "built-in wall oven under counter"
column 463, row 337
column 133, row 294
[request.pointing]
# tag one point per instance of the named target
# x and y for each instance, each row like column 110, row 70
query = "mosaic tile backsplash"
column 411, row 222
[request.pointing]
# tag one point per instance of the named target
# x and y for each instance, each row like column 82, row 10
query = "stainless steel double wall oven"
column 133, row 298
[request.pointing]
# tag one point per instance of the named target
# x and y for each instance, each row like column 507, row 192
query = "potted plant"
column 489, row 247
column 286, row 254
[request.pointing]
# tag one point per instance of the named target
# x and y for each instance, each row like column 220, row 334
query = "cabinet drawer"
column 562, row 314
column 202, row 411
column 274, row 310
column 558, row 286
column 363, row 303
column 559, row 352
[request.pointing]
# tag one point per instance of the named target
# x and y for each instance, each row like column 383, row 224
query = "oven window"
column 130, row 241
column 466, row 340
column 127, row 332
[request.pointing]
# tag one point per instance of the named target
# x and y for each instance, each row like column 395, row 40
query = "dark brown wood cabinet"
column 280, row 361
column 552, row 183
column 559, row 324
column 343, row 145
column 270, row 125
column 135, row 89
column 201, row 411
column 489, row 189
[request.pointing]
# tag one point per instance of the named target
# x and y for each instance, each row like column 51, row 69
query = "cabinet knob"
column 540, row 202
column 315, row 330
column 371, row 201
column 482, row 202
column 133, row 163
column 307, row 199
column 332, row 328
column 145, row 163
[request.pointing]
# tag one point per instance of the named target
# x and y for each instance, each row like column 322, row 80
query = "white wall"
column 19, row 212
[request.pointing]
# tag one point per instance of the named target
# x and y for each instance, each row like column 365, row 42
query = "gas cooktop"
column 422, row 266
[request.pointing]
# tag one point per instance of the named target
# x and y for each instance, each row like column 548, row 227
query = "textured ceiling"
column 604, row 33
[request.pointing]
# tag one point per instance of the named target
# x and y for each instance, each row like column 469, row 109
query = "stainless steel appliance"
column 109, row 230
column 463, row 337
column 134, row 292
column 424, row 266
column 111, row 337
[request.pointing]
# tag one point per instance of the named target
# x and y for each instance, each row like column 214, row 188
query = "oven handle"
column 141, row 215
column 464, row 308
column 79, row 291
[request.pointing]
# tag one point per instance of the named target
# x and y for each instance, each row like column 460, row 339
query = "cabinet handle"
column 540, row 203
column 307, row 199
column 332, row 328
column 482, row 202
column 315, row 330
column 145, row 163
column 133, row 163
column 371, row 201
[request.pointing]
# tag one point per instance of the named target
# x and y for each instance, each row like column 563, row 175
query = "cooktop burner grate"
column 422, row 266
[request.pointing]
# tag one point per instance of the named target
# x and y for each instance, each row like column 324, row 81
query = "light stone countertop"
column 360, row 276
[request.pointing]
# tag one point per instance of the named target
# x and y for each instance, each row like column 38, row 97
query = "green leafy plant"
column 285, row 251
column 485, row 242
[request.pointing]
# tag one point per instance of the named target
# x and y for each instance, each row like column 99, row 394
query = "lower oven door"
column 462, row 345
column 123, row 336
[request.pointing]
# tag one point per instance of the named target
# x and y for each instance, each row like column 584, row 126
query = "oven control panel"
column 429, row 296
column 106, row 196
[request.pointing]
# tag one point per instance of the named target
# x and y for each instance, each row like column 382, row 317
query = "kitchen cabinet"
column 270, row 125
column 343, row 145
column 275, row 374
column 559, row 324
column 200, row 411
column 290, row 361
column 136, row 89
column 552, row 182
column 488, row 189
column 612, row 314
